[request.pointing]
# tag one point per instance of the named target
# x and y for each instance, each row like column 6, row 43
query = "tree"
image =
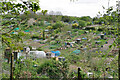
column 86, row 18
column 44, row 12
column 82, row 23
column 14, row 10
column 66, row 18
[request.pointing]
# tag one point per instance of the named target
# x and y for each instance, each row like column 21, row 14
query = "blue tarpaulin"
column 84, row 38
column 57, row 53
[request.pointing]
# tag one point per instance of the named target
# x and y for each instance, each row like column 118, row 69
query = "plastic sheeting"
column 37, row 54
column 76, row 52
column 16, row 29
column 84, row 38
column 57, row 53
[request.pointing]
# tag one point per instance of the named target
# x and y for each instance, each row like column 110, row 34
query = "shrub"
column 86, row 18
column 82, row 23
column 66, row 18
column 35, row 36
column 75, row 30
column 53, row 47
column 90, row 28
column 96, row 22
column 58, row 25
column 89, row 23
column 54, row 69
column 53, row 42
column 57, row 30
column 39, row 49
column 73, row 58
column 49, row 27
column 30, row 48
column 75, row 25
column 100, row 29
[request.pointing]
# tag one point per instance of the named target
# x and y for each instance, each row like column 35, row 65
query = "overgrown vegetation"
column 89, row 43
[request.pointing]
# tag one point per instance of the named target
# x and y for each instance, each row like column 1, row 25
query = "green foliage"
column 58, row 25
column 75, row 30
column 30, row 48
column 100, row 29
column 53, row 42
column 35, row 36
column 82, row 23
column 90, row 28
column 73, row 58
column 39, row 49
column 5, row 75
column 75, row 75
column 25, row 69
column 53, row 47
column 6, row 66
column 44, row 12
column 75, row 25
column 40, row 23
column 54, row 69
column 13, row 11
column 66, row 18
column 86, row 18
column 43, row 35
column 89, row 23
column 57, row 30
column 49, row 27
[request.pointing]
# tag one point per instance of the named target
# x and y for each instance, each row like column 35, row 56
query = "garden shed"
column 37, row 54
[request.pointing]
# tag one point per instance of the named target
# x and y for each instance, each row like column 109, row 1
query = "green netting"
column 16, row 29
column 76, row 52
column 27, row 31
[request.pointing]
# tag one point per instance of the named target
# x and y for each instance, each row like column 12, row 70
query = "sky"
column 77, row 8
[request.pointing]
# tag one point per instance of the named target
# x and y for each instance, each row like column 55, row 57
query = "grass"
column 86, row 66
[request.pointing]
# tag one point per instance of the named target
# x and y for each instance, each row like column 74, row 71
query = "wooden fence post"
column 79, row 74
column 11, row 67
